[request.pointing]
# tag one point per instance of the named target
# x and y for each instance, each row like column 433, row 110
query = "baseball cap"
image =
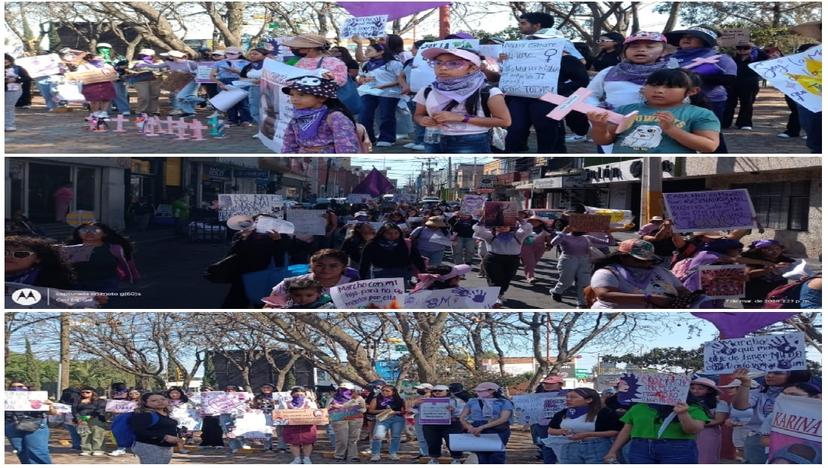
column 646, row 36
column 707, row 35
column 487, row 386
column 638, row 248
column 438, row 388
column 424, row 386
column 464, row 54
column 347, row 386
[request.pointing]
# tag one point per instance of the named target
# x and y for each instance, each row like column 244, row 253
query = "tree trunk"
column 636, row 26
column 777, row 14
column 65, row 361
column 675, row 8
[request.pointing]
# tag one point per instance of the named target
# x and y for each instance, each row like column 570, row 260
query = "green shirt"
column 646, row 136
column 642, row 418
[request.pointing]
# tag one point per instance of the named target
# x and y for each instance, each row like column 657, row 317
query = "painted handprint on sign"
column 723, row 348
column 782, row 345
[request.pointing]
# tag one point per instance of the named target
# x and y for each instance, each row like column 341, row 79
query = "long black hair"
column 110, row 237
column 55, row 272
column 395, row 44
column 708, row 402
column 473, row 101
column 184, row 398
column 680, row 78
column 335, row 105
column 794, row 377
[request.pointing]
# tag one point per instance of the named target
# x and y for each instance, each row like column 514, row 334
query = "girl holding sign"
column 705, row 392
column 436, row 434
column 300, row 437
column 586, row 422
column 488, row 413
column 388, row 407
column 27, row 431
column 459, row 109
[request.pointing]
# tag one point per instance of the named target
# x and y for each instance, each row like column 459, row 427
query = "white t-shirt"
column 432, row 105
column 578, row 425
column 385, row 74
column 662, row 281
column 616, row 93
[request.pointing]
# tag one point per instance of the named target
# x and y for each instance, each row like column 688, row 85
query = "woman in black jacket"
column 156, row 433
column 355, row 241
column 90, row 416
column 744, row 90
column 390, row 255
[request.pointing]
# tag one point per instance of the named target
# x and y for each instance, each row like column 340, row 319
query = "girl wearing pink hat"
column 709, row 440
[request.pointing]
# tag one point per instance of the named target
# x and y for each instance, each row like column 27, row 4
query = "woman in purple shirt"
column 574, row 264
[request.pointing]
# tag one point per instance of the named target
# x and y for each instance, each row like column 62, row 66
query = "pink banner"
column 394, row 10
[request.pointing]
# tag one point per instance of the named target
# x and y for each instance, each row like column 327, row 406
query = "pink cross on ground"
column 713, row 60
column 577, row 102
column 182, row 130
column 170, row 126
column 119, row 123
column 152, row 123
column 93, row 123
column 197, row 128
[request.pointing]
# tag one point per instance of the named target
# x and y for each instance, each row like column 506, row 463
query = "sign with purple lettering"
column 710, row 210
column 120, row 406
column 762, row 353
column 216, row 403
column 795, row 430
column 654, row 388
column 435, row 412
column 384, row 293
column 455, row 298
column 799, row 76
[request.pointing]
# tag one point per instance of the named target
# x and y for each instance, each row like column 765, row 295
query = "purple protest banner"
column 739, row 324
column 374, row 184
column 394, row 10
column 710, row 210
column 435, row 412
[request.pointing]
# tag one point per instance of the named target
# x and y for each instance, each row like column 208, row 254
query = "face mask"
column 421, row 392
column 485, row 394
column 297, row 53
column 298, row 401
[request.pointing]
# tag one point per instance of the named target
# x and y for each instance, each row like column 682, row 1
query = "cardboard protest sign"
column 187, row 417
column 710, row 210
column 588, row 222
column 435, row 412
column 762, row 353
column 267, row 224
column 723, row 281
column 471, row 204
column 92, row 76
column 217, row 403
column 422, row 74
column 650, row 387
column 252, row 425
column 618, row 218
column 40, row 65
column 364, row 26
column 799, row 76
column 300, row 417
column 796, row 429
column 380, row 292
column 26, row 401
column 497, row 213
column 551, row 215
column 733, row 36
column 339, row 414
column 120, row 406
column 537, row 408
column 455, row 298
column 532, row 67
column 311, row 222
column 203, row 71
column 233, row 204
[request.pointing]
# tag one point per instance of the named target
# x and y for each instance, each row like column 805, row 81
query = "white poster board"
column 26, row 401
column 249, row 204
column 364, row 26
column 456, row 298
column 537, row 408
column 470, row 443
column 313, row 222
column 762, row 353
column 532, row 67
column 380, row 292
column 40, row 65
column 799, row 76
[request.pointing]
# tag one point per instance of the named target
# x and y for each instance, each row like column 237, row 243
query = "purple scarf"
column 298, row 402
column 573, row 413
column 634, row 72
column 685, row 56
column 309, row 120
column 97, row 63
column 373, row 64
column 342, row 396
column 639, row 282
column 459, row 89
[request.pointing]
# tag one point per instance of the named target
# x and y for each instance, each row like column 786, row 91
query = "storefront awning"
column 528, row 186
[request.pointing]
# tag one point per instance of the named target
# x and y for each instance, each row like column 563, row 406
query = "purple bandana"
column 309, row 120
column 373, row 64
column 634, row 72
column 297, row 402
column 685, row 56
column 459, row 89
column 640, row 282
column 342, row 395
column 573, row 413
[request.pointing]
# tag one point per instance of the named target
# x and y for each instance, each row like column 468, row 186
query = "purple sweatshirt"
column 579, row 245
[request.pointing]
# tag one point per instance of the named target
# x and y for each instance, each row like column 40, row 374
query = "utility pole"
column 65, row 328
column 450, row 180
column 651, row 202
column 445, row 25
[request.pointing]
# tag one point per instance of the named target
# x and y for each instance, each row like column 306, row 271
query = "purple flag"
column 394, row 10
column 739, row 324
column 374, row 184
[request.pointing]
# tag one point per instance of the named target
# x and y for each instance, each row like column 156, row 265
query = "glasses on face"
column 19, row 253
column 89, row 230
column 18, row 386
column 450, row 64
column 85, row 391
column 605, row 40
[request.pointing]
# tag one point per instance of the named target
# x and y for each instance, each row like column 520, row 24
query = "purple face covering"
column 343, row 395
column 298, row 401
column 459, row 89
column 577, row 412
column 309, row 120
column 685, row 56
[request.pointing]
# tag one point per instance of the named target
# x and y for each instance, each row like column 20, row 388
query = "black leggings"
column 501, row 269
column 435, row 435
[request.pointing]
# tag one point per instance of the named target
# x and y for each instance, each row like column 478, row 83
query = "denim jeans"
column 573, row 269
column 811, row 122
column 548, row 455
column 538, row 431
column 419, row 130
column 460, row 144
column 227, row 421
column 44, row 85
column 239, row 113
column 663, row 451
column 73, row 434
column 493, row 458
column 186, row 97
column 421, row 440
column 527, row 113
column 754, row 450
column 11, row 98
column 718, row 108
column 32, row 447
column 121, row 101
column 387, row 114
column 463, row 250
column 587, row 452
column 395, row 424
column 254, row 99
column 434, row 258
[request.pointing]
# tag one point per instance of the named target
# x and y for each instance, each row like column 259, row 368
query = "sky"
column 401, row 167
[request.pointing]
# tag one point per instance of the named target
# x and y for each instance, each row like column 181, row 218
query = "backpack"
column 122, row 430
column 786, row 296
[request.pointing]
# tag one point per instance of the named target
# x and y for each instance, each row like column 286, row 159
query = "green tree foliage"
column 662, row 358
column 756, row 15
column 32, row 367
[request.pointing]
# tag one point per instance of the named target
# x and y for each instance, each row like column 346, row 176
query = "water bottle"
column 432, row 135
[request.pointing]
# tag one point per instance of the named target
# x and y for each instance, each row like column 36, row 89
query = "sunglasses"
column 450, row 64
column 89, row 230
column 743, row 48
column 19, row 253
column 18, row 386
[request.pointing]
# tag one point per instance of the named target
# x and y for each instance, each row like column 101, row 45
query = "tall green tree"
column 32, row 368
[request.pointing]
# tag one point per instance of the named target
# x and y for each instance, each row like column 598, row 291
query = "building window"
column 781, row 206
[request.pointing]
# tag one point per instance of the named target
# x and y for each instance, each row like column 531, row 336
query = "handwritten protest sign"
column 422, row 74
column 187, row 417
column 364, row 26
column 203, row 71
column 276, row 109
column 658, row 389
column 435, row 412
column 252, row 425
column 381, row 292
column 723, row 281
column 762, row 353
column 712, row 210
column 267, row 224
column 300, row 417
column 799, row 76
column 216, row 403
column 796, row 429
column 308, row 221
column 588, row 222
column 62, row 408
column 40, row 65
column 26, row 401
column 732, row 36
column 537, row 408
column 359, row 198
column 249, row 204
column 455, row 298
column 120, row 406
column 339, row 414
column 618, row 218
column 490, row 50
column 532, row 67
column 497, row 213
column 471, row 204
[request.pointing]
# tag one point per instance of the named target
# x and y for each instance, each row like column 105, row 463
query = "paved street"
column 42, row 132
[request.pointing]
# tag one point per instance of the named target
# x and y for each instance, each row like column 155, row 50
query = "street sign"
column 401, row 348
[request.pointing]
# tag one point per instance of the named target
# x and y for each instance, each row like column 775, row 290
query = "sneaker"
column 85, row 454
column 283, row 450
column 307, row 461
column 557, row 297
column 296, row 461
column 355, row 459
column 456, row 461
column 234, row 451
column 176, row 113
column 804, row 137
column 393, row 456
column 746, row 128
column 98, row 453
column 409, row 145
column 418, row 148
column 246, row 447
column 384, row 144
column 375, row 458
column 117, row 452
column 339, row 458
column 184, row 451
column 434, row 461
column 575, row 138
column 246, row 124
column 481, row 275
column 11, row 129
column 530, row 280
